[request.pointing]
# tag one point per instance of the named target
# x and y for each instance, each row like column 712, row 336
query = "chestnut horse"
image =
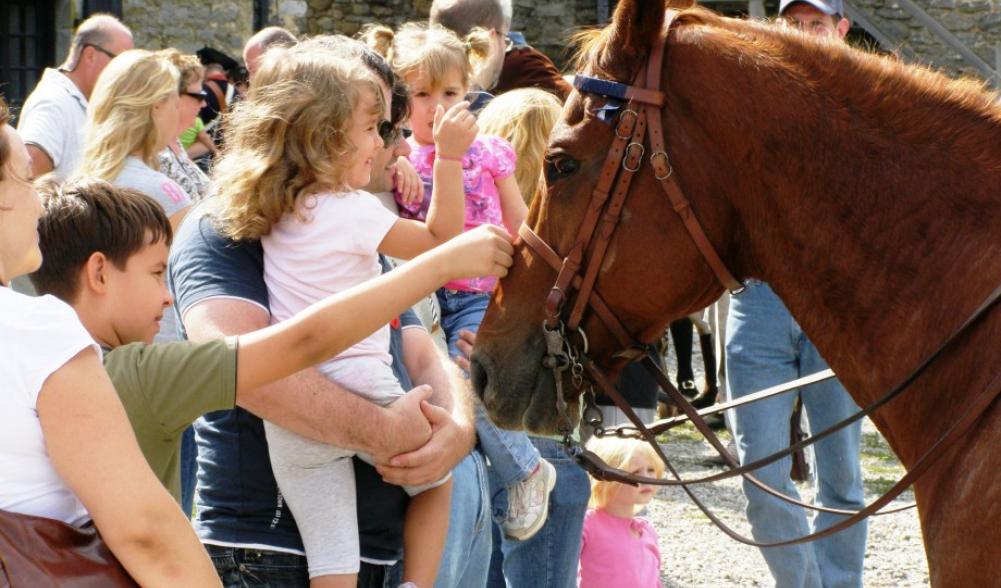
column 863, row 190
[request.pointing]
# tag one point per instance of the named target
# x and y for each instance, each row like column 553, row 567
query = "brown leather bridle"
column 640, row 119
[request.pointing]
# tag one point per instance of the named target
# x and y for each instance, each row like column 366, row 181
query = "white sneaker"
column 528, row 503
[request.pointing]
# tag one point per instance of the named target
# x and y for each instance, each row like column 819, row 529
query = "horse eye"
column 560, row 167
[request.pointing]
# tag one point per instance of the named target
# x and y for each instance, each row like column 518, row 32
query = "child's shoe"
column 528, row 503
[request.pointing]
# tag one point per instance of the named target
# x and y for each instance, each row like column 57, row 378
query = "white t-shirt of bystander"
column 39, row 336
column 54, row 119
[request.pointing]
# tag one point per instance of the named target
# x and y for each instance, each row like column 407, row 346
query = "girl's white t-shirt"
column 329, row 244
column 39, row 335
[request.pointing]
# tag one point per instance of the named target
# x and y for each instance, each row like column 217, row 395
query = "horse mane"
column 915, row 101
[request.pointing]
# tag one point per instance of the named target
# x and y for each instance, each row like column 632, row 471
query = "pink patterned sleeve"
column 498, row 157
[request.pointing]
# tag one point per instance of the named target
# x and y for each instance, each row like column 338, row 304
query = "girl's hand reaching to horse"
column 454, row 131
column 486, row 250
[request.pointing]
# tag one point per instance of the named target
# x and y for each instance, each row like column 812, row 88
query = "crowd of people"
column 256, row 301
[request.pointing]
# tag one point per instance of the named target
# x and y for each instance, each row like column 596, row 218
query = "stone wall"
column 545, row 24
column 349, row 16
column 225, row 24
column 977, row 23
column 190, row 25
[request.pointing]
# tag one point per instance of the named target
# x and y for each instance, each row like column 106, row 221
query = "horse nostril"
column 478, row 374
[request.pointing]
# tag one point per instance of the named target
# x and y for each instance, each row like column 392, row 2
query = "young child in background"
column 619, row 548
column 524, row 117
column 437, row 66
column 298, row 151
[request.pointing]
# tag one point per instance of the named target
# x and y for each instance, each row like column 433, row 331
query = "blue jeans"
column 550, row 558
column 765, row 347
column 189, row 470
column 256, row 568
column 512, row 456
column 466, row 558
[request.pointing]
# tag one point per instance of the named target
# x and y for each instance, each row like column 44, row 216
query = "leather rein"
column 640, row 118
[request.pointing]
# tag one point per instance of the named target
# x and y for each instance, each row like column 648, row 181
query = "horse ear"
column 634, row 29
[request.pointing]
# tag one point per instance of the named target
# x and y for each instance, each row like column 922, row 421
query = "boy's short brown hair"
column 86, row 216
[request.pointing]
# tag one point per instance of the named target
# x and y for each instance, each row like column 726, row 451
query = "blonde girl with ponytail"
column 439, row 69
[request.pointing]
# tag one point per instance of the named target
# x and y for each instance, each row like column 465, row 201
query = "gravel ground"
column 695, row 553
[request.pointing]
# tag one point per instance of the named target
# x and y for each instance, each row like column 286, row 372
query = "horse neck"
column 879, row 240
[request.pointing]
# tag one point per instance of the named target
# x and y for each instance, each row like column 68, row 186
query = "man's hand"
column 465, row 344
column 448, row 445
column 407, row 182
column 410, row 428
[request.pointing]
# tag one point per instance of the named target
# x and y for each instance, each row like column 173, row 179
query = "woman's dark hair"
column 399, row 109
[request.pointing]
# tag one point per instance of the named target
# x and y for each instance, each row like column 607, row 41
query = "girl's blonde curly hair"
column 431, row 49
column 290, row 136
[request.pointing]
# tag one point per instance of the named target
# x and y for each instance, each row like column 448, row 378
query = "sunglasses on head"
column 390, row 133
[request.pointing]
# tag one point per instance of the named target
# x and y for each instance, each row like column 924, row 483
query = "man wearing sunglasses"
column 53, row 118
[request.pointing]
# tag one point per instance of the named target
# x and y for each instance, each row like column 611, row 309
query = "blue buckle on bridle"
column 613, row 91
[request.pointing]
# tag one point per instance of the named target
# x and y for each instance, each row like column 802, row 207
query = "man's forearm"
column 311, row 405
column 306, row 402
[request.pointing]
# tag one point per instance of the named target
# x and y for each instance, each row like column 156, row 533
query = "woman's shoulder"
column 139, row 176
column 21, row 312
column 39, row 335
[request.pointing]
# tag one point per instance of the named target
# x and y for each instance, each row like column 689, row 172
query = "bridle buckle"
column 630, row 155
column 663, row 171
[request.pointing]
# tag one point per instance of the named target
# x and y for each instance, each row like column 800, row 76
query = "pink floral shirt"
column 489, row 159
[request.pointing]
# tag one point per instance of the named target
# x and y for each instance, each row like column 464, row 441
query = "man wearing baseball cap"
column 824, row 18
column 764, row 347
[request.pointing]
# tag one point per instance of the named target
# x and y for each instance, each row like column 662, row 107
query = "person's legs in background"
column 762, row 351
column 681, row 336
column 838, row 474
column 189, row 470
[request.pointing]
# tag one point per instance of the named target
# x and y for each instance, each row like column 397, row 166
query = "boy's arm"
column 307, row 402
column 330, row 326
column 513, row 206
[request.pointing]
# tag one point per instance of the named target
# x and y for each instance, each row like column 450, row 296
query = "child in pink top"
column 488, row 162
column 619, row 548
column 438, row 68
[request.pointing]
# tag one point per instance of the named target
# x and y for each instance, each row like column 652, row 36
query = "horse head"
column 648, row 243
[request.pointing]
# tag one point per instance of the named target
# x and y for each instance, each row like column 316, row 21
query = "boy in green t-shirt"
column 105, row 253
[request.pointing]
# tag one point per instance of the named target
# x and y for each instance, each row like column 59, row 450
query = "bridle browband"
column 640, row 118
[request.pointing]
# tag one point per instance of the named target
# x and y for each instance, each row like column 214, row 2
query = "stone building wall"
column 225, row 24
column 977, row 23
column 190, row 24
